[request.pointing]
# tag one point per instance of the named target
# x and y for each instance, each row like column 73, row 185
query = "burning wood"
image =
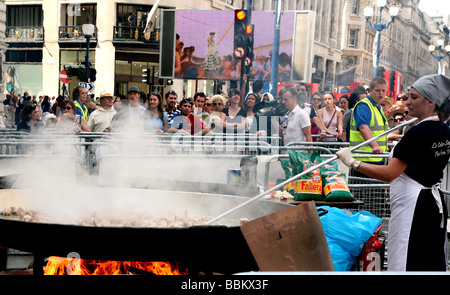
column 73, row 266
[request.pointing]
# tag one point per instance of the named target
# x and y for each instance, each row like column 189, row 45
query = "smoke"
column 121, row 174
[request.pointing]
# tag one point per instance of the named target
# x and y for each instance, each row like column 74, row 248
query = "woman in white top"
column 331, row 117
column 251, row 99
column 155, row 119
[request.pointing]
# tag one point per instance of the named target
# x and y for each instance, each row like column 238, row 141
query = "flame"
column 73, row 266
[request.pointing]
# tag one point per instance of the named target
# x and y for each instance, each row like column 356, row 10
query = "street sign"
column 89, row 86
column 63, row 76
column 239, row 52
column 247, row 61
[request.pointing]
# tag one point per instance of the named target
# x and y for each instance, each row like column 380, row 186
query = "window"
column 134, row 15
column 24, row 15
column 355, row 7
column 129, row 73
column 23, row 56
column 353, row 39
column 76, row 15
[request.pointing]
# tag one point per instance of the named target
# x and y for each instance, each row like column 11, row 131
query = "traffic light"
column 146, row 76
column 249, row 48
column 392, row 81
column 92, row 74
column 240, row 33
column 381, row 71
column 169, row 82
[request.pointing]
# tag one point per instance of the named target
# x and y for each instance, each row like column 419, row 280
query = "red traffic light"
column 240, row 15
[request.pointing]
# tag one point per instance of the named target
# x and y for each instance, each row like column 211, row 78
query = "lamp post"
column 368, row 13
column 88, row 31
column 276, row 49
column 439, row 56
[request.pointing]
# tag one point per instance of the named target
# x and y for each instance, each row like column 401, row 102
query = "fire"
column 74, row 266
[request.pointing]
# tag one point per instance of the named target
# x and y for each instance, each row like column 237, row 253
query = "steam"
column 135, row 174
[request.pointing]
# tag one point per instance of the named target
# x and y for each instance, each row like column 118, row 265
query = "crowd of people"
column 301, row 117
column 416, row 162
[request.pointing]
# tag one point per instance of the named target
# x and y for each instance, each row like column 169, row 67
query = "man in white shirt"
column 134, row 102
column 296, row 126
column 100, row 119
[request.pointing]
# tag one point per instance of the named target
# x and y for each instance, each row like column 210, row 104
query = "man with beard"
column 171, row 105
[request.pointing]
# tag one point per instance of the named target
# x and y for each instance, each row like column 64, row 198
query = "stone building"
column 46, row 36
column 43, row 37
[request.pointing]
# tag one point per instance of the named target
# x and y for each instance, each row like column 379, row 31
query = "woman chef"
column 418, row 223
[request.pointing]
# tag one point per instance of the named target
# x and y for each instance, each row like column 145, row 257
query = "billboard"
column 23, row 77
column 202, row 45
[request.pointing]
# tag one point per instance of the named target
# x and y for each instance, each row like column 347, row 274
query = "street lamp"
column 368, row 13
column 439, row 57
column 88, row 31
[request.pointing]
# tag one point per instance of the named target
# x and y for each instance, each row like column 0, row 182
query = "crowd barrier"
column 89, row 147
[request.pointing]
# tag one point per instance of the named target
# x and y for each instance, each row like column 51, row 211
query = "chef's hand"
column 345, row 155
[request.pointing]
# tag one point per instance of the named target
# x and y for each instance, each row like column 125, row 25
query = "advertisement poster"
column 22, row 77
column 204, row 45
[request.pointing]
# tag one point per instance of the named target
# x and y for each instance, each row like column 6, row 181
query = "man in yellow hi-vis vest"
column 368, row 121
column 79, row 96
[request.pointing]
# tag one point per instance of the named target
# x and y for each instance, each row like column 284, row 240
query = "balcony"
column 124, row 34
column 74, row 34
column 25, row 34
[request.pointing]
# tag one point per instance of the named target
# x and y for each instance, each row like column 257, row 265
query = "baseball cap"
column 133, row 89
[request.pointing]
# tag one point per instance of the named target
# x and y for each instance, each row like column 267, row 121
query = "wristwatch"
column 323, row 131
column 356, row 165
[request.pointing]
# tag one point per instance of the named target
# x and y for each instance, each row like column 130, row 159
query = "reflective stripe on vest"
column 83, row 112
column 378, row 125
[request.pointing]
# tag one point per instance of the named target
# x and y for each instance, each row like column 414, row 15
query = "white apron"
column 404, row 192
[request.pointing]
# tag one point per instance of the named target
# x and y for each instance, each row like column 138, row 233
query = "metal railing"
column 74, row 33
column 25, row 34
column 127, row 34
column 85, row 145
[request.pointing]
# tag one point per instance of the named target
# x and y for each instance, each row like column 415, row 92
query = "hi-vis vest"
column 378, row 125
column 83, row 111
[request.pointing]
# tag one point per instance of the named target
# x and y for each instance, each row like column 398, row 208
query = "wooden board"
column 289, row 240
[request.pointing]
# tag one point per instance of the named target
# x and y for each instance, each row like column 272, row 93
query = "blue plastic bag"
column 346, row 232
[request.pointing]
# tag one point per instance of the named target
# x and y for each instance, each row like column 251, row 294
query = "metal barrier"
column 88, row 146
column 181, row 143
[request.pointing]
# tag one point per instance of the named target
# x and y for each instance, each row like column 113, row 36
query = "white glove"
column 345, row 155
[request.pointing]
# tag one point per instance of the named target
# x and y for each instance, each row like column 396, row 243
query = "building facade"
column 328, row 32
column 344, row 42
column 44, row 37
column 3, row 46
